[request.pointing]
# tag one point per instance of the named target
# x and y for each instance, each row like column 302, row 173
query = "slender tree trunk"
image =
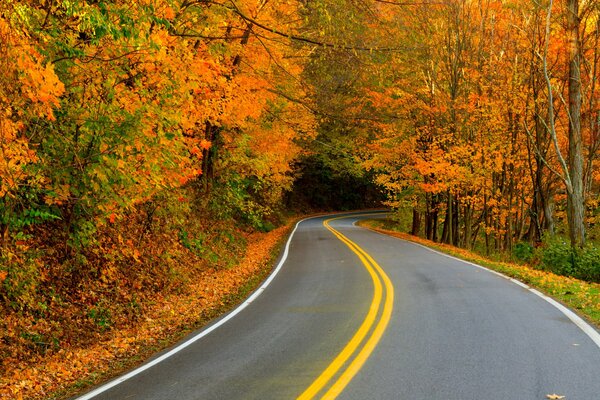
column 244, row 41
column 431, row 218
column 456, row 223
column 538, row 147
column 539, row 200
column 593, row 113
column 575, row 199
column 549, row 216
column 209, row 156
column 428, row 219
column 468, row 216
column 416, row 223
column 435, row 218
column 447, row 233
column 486, row 224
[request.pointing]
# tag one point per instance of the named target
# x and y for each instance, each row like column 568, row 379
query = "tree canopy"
column 480, row 116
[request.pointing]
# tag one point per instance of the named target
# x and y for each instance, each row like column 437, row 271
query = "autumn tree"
column 572, row 169
column 114, row 114
column 465, row 122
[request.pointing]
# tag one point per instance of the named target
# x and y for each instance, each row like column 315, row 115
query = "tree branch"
column 291, row 36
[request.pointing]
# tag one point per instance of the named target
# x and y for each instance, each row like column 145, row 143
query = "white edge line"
column 576, row 319
column 201, row 334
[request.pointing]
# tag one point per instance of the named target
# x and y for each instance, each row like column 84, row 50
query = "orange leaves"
column 41, row 85
column 168, row 13
column 28, row 89
column 196, row 151
column 38, row 82
column 205, row 144
column 198, row 146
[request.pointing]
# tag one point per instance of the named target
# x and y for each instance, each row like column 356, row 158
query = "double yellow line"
column 350, row 360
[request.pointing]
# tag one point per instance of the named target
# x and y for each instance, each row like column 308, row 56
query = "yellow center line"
column 375, row 271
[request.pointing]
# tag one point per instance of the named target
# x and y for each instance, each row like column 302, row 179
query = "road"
column 353, row 314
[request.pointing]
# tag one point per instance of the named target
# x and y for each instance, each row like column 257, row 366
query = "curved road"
column 455, row 331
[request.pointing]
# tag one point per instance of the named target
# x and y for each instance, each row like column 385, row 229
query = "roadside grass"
column 582, row 297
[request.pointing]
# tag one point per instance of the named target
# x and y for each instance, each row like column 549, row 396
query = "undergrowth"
column 143, row 282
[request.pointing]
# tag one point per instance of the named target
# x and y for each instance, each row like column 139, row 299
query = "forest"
column 147, row 142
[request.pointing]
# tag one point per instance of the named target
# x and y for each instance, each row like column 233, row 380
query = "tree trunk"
column 209, row 156
column 549, row 216
column 467, row 237
column 428, row 217
column 434, row 216
column 447, row 232
column 575, row 200
column 416, row 223
column 431, row 217
column 455, row 223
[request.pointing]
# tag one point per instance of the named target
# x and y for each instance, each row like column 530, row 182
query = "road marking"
column 201, row 334
column 362, row 354
column 591, row 332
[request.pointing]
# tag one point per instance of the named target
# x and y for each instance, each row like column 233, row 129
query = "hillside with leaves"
column 149, row 145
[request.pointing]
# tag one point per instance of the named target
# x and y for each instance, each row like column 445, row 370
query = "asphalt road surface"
column 353, row 314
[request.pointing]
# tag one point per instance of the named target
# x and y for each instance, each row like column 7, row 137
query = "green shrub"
column 559, row 257
column 587, row 264
column 523, row 251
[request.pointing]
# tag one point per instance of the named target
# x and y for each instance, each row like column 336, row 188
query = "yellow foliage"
column 28, row 89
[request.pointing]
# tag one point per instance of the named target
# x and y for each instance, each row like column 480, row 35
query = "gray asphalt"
column 457, row 332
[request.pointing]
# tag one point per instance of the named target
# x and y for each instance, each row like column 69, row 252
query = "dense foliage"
column 493, row 133
column 134, row 137
column 117, row 114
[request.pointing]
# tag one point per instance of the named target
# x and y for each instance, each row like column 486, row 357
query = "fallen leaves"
column 35, row 376
column 554, row 397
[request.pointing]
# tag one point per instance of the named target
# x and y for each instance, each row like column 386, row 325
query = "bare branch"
column 537, row 151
